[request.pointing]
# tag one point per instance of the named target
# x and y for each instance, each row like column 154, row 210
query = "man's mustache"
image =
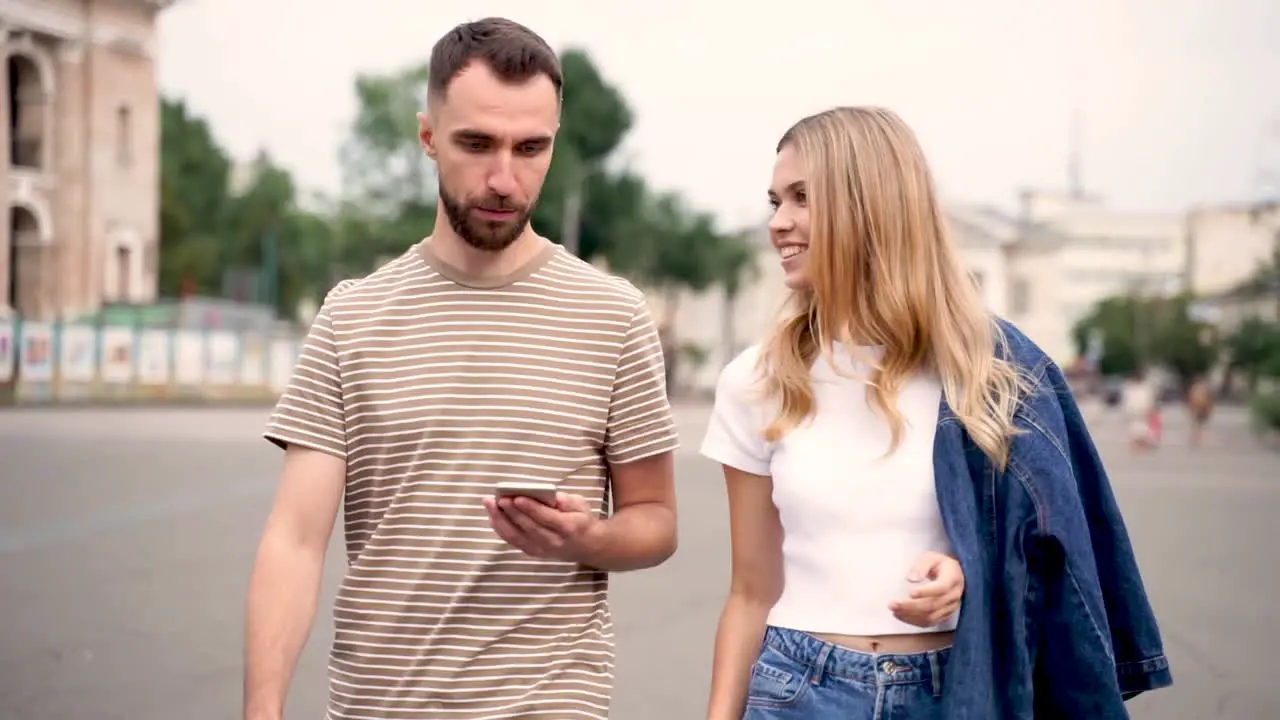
column 498, row 204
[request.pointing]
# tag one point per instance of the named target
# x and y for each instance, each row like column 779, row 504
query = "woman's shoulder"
column 742, row 372
column 1015, row 347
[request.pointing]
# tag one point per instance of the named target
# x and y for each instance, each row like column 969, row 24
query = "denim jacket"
column 1055, row 621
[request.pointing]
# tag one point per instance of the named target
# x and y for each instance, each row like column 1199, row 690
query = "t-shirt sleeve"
column 640, row 423
column 309, row 412
column 735, row 433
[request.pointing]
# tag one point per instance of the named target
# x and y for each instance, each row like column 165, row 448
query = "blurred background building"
column 1045, row 268
column 82, row 141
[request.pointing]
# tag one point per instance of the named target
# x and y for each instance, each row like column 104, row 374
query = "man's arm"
column 642, row 531
column 285, row 583
column 640, row 444
column 309, row 421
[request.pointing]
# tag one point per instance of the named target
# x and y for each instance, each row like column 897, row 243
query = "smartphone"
column 543, row 492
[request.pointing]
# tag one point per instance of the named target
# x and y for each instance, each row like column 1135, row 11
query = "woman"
column 889, row 447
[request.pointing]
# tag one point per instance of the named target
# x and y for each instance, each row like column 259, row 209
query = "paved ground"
column 126, row 538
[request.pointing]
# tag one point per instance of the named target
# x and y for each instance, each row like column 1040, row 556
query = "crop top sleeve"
column 735, row 433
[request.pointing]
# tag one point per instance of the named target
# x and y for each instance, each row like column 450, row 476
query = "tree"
column 1254, row 350
column 284, row 250
column 382, row 162
column 193, row 191
column 390, row 187
column 252, row 243
column 1114, row 320
column 1184, row 346
column 594, row 119
column 1138, row 331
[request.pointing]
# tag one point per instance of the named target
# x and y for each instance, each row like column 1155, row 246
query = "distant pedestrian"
column 1199, row 408
column 1140, row 405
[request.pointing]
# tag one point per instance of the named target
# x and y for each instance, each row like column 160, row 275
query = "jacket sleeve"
column 1093, row 611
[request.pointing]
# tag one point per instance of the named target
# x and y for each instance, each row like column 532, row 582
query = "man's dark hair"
column 512, row 51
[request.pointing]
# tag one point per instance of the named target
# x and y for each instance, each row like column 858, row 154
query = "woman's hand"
column 937, row 597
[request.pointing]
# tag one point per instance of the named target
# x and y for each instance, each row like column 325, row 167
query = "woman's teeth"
column 791, row 251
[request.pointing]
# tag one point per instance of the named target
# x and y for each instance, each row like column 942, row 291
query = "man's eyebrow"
column 468, row 134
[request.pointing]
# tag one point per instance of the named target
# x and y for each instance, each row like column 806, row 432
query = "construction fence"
column 60, row 363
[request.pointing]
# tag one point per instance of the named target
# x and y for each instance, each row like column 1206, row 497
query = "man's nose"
column 501, row 180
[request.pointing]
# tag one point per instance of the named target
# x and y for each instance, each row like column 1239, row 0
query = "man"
column 1200, row 407
column 483, row 354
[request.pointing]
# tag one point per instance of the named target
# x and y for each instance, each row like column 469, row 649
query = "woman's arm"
column 756, row 537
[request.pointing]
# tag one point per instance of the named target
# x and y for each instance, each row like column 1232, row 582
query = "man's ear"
column 427, row 135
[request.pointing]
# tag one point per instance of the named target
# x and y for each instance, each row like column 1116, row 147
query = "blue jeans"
column 799, row 677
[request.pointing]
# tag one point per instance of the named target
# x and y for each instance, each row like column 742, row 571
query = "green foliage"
column 654, row 238
column 193, row 176
column 1186, row 347
column 382, row 162
column 1115, row 319
column 209, row 229
column 1137, row 331
column 1254, row 349
column 595, row 116
column 389, row 198
column 1265, row 410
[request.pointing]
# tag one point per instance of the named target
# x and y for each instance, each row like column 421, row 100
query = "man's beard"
column 487, row 235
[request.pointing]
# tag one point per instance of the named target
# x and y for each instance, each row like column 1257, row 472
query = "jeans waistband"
column 870, row 668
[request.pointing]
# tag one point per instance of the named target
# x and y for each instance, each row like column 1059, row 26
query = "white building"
column 1072, row 252
column 1227, row 246
column 1043, row 270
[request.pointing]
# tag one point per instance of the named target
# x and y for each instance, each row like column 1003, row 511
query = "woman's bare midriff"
column 895, row 644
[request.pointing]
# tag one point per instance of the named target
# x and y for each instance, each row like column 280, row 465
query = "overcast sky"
column 1176, row 95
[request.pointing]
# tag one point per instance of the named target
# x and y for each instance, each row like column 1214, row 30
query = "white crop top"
column 854, row 519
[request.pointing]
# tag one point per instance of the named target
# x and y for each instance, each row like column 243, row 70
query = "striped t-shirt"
column 434, row 387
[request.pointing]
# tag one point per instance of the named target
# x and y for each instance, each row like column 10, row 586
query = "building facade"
column 81, row 152
column 1231, row 243
column 1072, row 252
column 1231, row 248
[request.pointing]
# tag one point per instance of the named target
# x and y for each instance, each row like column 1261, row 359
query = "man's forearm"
column 283, row 594
column 636, row 537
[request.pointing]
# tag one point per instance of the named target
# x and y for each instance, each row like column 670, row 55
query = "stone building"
column 81, row 146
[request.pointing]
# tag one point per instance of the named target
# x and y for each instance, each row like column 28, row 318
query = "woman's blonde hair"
column 883, row 272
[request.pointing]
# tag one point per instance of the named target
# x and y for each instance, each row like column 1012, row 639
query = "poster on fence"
column 7, row 350
column 76, row 354
column 117, row 355
column 222, row 356
column 284, row 355
column 253, row 371
column 37, row 353
column 188, row 357
column 153, row 357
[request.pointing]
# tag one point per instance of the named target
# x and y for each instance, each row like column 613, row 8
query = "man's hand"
column 564, row 532
column 933, row 601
